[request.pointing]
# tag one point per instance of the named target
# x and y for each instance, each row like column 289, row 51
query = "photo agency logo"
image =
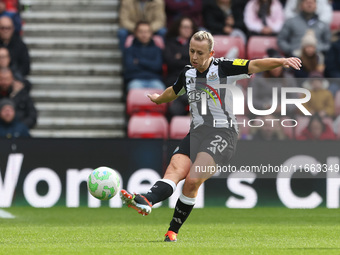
column 281, row 98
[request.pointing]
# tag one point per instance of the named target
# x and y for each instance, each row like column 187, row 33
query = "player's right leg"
column 177, row 170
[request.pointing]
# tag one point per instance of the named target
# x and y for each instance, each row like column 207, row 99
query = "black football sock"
column 183, row 209
column 160, row 191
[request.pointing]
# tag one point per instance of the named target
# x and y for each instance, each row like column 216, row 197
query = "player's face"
column 199, row 54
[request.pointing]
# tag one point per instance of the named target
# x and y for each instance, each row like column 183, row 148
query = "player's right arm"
column 171, row 93
column 167, row 96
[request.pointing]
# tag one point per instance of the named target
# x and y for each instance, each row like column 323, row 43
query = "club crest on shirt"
column 212, row 77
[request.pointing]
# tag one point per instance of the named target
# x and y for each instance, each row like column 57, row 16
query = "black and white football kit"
column 209, row 101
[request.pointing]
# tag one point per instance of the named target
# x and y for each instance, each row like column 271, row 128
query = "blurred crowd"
column 154, row 38
column 17, row 111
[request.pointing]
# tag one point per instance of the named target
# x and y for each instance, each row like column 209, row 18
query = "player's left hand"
column 292, row 62
column 153, row 97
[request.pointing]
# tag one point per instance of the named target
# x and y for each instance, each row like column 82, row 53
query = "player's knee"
column 177, row 169
column 193, row 183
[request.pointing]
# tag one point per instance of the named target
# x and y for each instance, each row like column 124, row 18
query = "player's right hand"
column 292, row 62
column 153, row 97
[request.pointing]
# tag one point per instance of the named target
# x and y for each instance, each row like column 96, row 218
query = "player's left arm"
column 265, row 64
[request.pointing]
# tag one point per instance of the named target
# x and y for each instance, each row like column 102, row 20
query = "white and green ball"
column 103, row 183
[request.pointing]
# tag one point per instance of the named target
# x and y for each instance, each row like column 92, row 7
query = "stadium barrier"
column 53, row 172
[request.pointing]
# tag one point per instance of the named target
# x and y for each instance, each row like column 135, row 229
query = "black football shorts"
column 220, row 143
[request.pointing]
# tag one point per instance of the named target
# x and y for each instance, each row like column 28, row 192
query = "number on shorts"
column 219, row 143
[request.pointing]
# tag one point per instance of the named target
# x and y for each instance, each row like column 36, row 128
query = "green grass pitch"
column 61, row 230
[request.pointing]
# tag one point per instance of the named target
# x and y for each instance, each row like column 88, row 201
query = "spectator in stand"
column 332, row 61
column 133, row 11
column 176, row 52
column 17, row 48
column 264, row 17
column 24, row 106
column 289, row 39
column 322, row 101
column 238, row 7
column 336, row 5
column 283, row 2
column 219, row 19
column 13, row 15
column 270, row 131
column 263, row 84
column 317, row 130
column 143, row 60
column 10, row 126
column 176, row 55
column 180, row 8
column 5, row 61
column 323, row 10
column 12, row 5
column 313, row 61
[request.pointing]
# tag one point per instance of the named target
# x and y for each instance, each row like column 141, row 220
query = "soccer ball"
column 103, row 183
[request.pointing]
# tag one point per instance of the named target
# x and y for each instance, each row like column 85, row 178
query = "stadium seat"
column 225, row 46
column 148, row 126
column 335, row 23
column 157, row 39
column 137, row 101
column 258, row 46
column 179, row 127
column 328, row 121
column 302, row 124
column 337, row 103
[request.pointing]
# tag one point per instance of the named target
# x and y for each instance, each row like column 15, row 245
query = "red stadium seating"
column 335, row 23
column 137, row 101
column 302, row 124
column 337, row 103
column 157, row 39
column 224, row 43
column 148, row 126
column 328, row 121
column 258, row 46
column 179, row 127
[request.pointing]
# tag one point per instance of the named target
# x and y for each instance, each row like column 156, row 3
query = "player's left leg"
column 187, row 199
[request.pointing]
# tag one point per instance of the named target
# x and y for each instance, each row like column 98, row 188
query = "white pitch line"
column 6, row 215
